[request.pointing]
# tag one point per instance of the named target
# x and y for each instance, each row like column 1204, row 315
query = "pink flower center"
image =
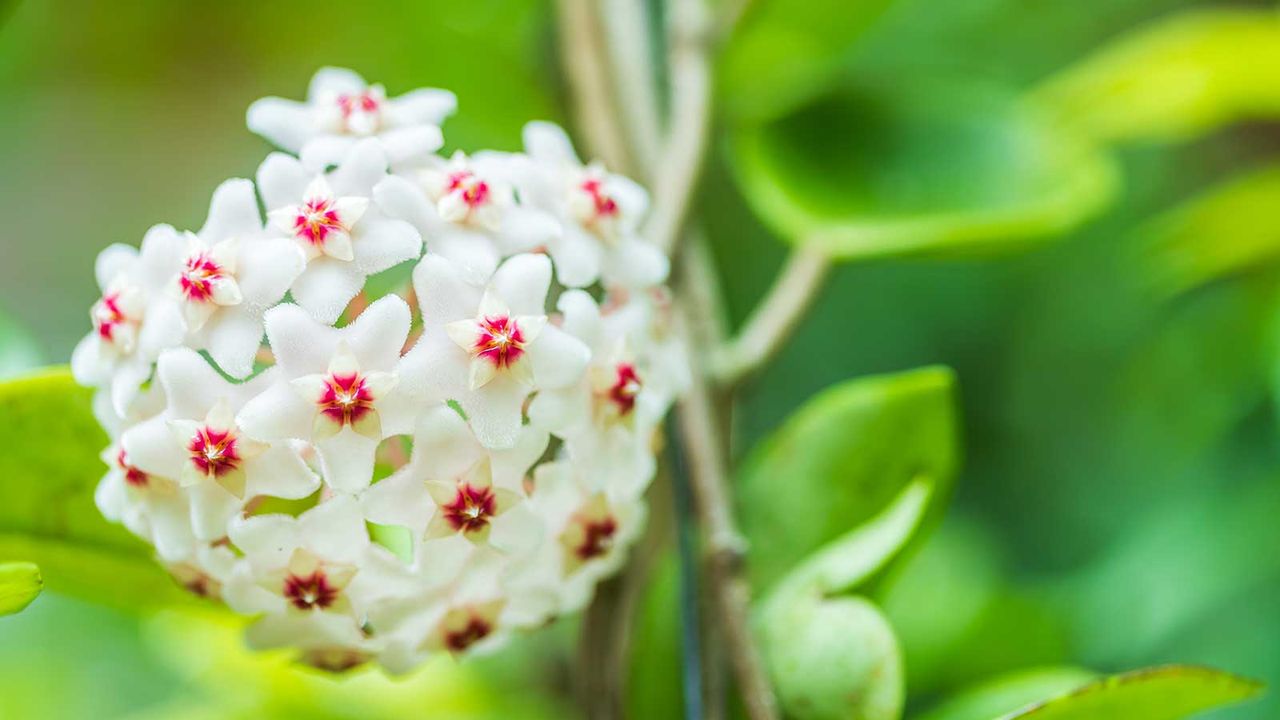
column 360, row 112
column 471, row 508
column 202, row 585
column 132, row 475
column 605, row 206
column 107, row 316
column 626, row 386
column 196, row 278
column 476, row 629
column 474, row 191
column 500, row 340
column 597, row 537
column 213, row 451
column 346, row 399
column 310, row 591
column 317, row 218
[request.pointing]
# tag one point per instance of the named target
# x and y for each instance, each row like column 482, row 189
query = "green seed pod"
column 832, row 658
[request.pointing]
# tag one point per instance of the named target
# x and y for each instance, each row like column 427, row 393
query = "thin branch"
column 685, row 147
column 725, row 546
column 775, row 319
column 631, row 52
column 586, row 64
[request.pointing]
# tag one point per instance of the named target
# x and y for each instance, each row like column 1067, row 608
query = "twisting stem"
column 775, row 319
column 586, row 64
column 631, row 52
column 686, row 141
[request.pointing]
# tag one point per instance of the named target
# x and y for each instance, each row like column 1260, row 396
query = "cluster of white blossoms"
column 383, row 479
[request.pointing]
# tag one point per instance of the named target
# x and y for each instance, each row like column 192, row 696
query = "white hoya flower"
column 135, row 319
column 314, row 576
column 206, row 570
column 589, row 531
column 341, row 108
column 599, row 212
column 330, row 215
column 197, row 443
column 453, row 486
column 609, row 417
column 231, row 273
column 487, row 347
column 151, row 507
column 335, row 388
column 466, row 209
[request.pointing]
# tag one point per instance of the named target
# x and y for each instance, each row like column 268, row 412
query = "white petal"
column 443, row 291
column 280, row 472
column 267, row 540
column 558, row 358
column 561, row 410
column 233, row 338
column 326, row 287
column 153, row 448
column 212, row 508
column 335, row 529
column 325, row 151
column 364, row 165
column 278, row 413
column 112, row 261
column 163, row 328
column 284, row 123
column 282, row 181
column 88, row 366
column 401, row 199
column 522, row 282
column 524, row 229
column 411, row 145
column 382, row 243
column 377, row 336
column 443, row 444
column 425, row 106
column 547, row 142
column 333, row 81
column 494, row 411
column 634, row 263
column 577, row 255
column 581, row 316
column 192, row 386
column 171, row 528
column 347, row 460
column 233, row 212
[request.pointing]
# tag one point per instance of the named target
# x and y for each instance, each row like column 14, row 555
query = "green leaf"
column 20, row 583
column 930, row 168
column 831, row 658
column 784, row 53
column 48, row 473
column 1162, row 693
column 1230, row 229
column 1008, row 693
column 842, row 459
column 1175, row 79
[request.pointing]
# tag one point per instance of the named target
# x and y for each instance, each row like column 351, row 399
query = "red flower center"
column 597, row 538
column 316, row 219
column 107, row 315
column 605, row 206
column 196, row 278
column 500, row 340
column 213, row 451
column 346, row 399
column 475, row 630
column 475, row 192
column 132, row 475
column 626, row 386
column 354, row 106
column 471, row 508
column 310, row 591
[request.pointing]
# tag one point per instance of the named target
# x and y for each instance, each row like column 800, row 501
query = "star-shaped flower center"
column 473, row 190
column 626, row 386
column 317, row 218
column 362, row 111
column 597, row 537
column 347, row 398
column 107, row 315
column 471, row 509
column 213, row 451
column 133, row 477
column 499, row 341
column 475, row 630
column 593, row 206
column 198, row 276
column 310, row 591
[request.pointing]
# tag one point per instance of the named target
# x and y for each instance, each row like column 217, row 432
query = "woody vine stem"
column 608, row 51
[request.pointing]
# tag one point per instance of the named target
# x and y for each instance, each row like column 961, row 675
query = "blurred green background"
column 1120, row 497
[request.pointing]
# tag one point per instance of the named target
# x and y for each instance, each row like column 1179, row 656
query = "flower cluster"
column 426, row 471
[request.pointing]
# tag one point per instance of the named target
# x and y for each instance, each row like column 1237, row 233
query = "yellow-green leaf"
column 874, row 446
column 1227, row 230
column 1175, row 79
column 1163, row 693
column 934, row 168
column 1009, row 693
column 48, row 473
column 20, row 583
